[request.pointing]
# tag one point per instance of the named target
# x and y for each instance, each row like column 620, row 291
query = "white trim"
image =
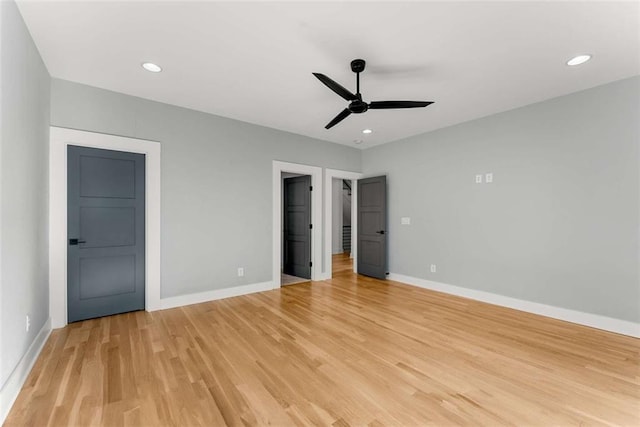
column 16, row 380
column 329, row 174
column 316, row 216
column 216, row 294
column 59, row 139
column 587, row 319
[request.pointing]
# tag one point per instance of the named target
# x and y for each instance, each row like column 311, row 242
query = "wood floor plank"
column 344, row 352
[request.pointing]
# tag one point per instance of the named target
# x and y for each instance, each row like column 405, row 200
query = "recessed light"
column 366, row 131
column 580, row 59
column 358, row 141
column 150, row 66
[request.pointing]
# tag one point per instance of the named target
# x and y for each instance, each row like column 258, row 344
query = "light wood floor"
column 341, row 263
column 350, row 351
column 286, row 280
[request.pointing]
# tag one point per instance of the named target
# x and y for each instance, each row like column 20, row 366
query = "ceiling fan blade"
column 336, row 87
column 337, row 119
column 385, row 105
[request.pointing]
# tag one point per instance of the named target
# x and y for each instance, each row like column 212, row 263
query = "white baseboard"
column 587, row 319
column 16, row 380
column 215, row 294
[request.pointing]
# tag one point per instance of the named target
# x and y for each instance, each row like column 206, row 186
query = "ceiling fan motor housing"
column 358, row 107
column 357, row 65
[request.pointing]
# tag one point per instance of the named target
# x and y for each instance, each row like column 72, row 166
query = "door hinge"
column 311, row 188
column 310, row 225
column 310, row 264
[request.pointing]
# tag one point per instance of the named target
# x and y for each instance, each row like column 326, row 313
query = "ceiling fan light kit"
column 356, row 104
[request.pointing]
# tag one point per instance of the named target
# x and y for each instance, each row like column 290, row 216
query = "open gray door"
column 106, row 232
column 297, row 226
column 372, row 227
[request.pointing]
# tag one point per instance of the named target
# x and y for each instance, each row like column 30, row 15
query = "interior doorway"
column 341, row 203
column 341, row 224
column 60, row 139
column 315, row 172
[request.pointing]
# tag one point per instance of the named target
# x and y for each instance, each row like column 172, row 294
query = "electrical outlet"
column 478, row 179
column 28, row 324
column 240, row 272
column 433, row 268
column 405, row 220
column 488, row 178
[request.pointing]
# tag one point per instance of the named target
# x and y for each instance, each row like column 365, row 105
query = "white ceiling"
column 252, row 61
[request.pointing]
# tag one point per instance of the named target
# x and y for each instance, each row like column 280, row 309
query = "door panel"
column 372, row 227
column 297, row 222
column 105, row 213
column 107, row 177
column 297, row 230
column 104, row 276
column 371, row 221
column 372, row 253
column 108, row 226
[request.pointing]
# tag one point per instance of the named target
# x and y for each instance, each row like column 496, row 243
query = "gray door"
column 372, row 227
column 297, row 226
column 105, row 225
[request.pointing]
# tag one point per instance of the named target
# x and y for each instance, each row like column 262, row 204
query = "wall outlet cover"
column 240, row 272
column 405, row 220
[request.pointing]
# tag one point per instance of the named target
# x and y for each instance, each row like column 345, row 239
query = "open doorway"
column 296, row 229
column 340, row 206
column 341, row 233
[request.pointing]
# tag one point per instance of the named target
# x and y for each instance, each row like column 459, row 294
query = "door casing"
column 278, row 167
column 59, row 139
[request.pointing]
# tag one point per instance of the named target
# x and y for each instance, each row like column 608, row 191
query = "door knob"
column 380, row 232
column 76, row 241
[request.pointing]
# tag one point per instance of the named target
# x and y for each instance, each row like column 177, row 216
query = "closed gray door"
column 372, row 227
column 106, row 235
column 297, row 226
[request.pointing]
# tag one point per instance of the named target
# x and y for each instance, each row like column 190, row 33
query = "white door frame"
column 329, row 175
column 59, row 139
column 316, row 217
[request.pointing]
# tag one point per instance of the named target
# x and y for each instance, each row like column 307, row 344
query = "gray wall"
column 216, row 181
column 24, row 142
column 559, row 224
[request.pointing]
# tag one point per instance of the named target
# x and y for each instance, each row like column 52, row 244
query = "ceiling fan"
column 357, row 105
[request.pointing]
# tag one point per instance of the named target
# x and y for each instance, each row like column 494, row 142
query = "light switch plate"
column 405, row 220
column 478, row 179
column 488, row 178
